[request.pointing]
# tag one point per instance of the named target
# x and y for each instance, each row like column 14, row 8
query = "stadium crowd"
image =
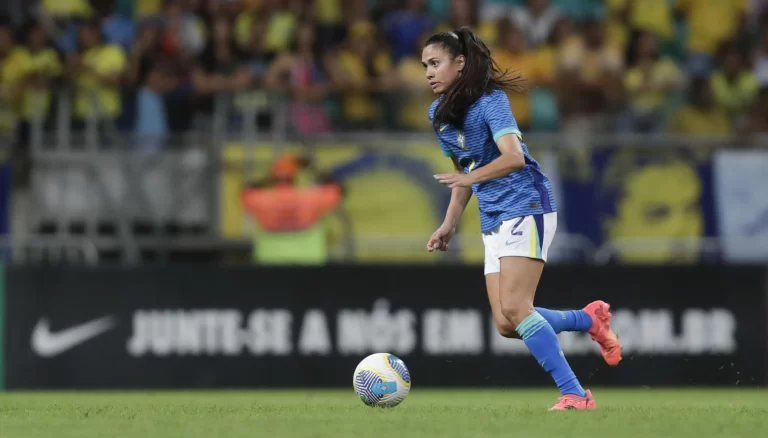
column 153, row 66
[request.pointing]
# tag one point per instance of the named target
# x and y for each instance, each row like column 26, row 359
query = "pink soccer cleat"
column 601, row 331
column 570, row 402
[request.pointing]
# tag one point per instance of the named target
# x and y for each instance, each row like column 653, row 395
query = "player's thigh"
column 503, row 325
column 518, row 280
column 523, row 246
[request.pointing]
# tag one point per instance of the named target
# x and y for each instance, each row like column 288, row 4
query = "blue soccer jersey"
column 521, row 193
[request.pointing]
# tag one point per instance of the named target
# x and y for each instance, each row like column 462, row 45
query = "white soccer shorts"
column 526, row 236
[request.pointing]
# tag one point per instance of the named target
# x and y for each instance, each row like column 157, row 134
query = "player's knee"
column 506, row 329
column 516, row 311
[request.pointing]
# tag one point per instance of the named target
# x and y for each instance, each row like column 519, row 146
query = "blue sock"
column 566, row 320
column 542, row 342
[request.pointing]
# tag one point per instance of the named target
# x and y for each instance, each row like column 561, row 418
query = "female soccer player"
column 475, row 127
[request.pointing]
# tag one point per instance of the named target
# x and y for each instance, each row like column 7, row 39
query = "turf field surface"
column 425, row 414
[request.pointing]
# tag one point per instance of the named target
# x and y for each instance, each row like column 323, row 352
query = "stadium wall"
column 231, row 327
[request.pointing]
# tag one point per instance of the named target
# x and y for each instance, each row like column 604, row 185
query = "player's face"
column 441, row 69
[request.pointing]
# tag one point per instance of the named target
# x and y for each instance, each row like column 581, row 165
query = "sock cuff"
column 530, row 325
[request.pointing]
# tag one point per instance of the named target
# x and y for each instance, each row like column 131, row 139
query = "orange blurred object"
column 288, row 208
column 285, row 167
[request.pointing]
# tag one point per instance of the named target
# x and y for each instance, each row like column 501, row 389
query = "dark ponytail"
column 480, row 75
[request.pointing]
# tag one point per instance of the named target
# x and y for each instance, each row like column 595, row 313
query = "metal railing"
column 107, row 176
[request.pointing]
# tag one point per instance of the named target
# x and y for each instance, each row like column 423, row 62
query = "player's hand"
column 440, row 238
column 454, row 179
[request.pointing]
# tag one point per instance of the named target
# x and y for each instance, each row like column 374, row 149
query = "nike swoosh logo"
column 442, row 128
column 47, row 344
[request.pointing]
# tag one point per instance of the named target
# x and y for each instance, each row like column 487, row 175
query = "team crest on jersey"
column 460, row 139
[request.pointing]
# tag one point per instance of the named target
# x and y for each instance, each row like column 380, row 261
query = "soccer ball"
column 382, row 380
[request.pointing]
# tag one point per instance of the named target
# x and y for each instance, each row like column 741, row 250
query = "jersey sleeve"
column 446, row 151
column 498, row 116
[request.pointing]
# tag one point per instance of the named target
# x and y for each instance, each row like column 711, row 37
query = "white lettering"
column 722, row 332
column 360, row 332
column 314, row 337
column 269, row 332
column 351, row 328
column 455, row 331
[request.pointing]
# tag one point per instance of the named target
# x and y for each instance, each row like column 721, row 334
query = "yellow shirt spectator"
column 536, row 68
column 37, row 100
column 11, row 75
column 102, row 60
column 711, row 22
column 735, row 95
column 145, row 8
column 328, row 11
column 359, row 105
column 280, row 29
column 693, row 120
column 591, row 63
column 417, row 96
column 646, row 88
column 654, row 16
column 67, row 8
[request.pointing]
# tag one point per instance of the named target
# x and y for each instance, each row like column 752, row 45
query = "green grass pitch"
column 425, row 414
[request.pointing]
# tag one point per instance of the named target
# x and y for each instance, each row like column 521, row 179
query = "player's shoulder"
column 494, row 97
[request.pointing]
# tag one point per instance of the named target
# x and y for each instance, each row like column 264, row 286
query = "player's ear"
column 459, row 61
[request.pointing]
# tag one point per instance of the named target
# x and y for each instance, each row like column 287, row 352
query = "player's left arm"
column 511, row 160
column 498, row 116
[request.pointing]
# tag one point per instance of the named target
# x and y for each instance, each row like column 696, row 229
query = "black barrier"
column 195, row 327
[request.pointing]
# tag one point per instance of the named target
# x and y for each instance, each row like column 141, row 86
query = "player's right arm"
column 460, row 197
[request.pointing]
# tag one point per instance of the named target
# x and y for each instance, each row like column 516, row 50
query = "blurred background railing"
column 119, row 197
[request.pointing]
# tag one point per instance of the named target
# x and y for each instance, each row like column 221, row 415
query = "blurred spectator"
column 563, row 35
column 41, row 66
column 11, row 74
column 463, row 13
column 651, row 16
column 536, row 21
column 329, row 17
column 117, row 27
column 154, row 75
column 97, row 69
column 516, row 59
column 590, row 75
column 301, row 73
column 648, row 81
column 710, row 22
column 184, row 35
column 416, row 97
column 758, row 121
column 258, row 59
column 761, row 58
column 403, row 27
column 734, row 85
column 362, row 69
column 700, row 115
column 65, row 9
column 222, row 67
column 282, row 17
column 143, row 9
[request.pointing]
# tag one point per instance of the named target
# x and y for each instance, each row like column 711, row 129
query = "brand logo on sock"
column 562, row 314
column 542, row 363
column 561, row 353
